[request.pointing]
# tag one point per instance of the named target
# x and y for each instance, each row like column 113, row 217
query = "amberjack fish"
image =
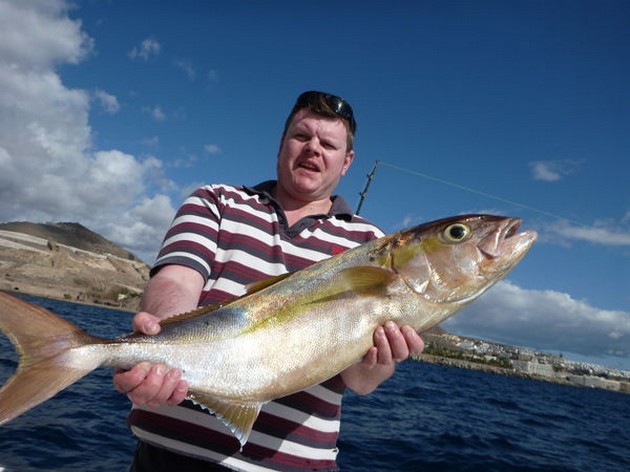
column 287, row 333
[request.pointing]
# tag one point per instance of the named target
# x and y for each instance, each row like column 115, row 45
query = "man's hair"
column 320, row 105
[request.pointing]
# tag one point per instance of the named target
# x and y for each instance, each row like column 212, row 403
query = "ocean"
column 426, row 418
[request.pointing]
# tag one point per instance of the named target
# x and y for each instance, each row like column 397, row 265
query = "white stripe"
column 226, row 285
column 194, row 237
column 312, row 255
column 203, row 221
column 188, row 449
column 356, row 226
column 248, row 260
column 247, row 208
column 293, row 448
column 209, row 422
column 322, row 235
column 325, row 394
column 236, row 227
column 185, row 255
column 320, row 424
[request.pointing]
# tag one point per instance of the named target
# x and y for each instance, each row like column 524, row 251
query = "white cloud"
column 546, row 320
column 50, row 170
column 147, row 48
column 212, row 149
column 153, row 141
column 157, row 113
column 108, row 102
column 212, row 76
column 602, row 233
column 551, row 171
column 52, row 37
column 188, row 68
column 142, row 229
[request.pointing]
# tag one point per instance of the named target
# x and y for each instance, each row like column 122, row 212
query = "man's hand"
column 147, row 384
column 174, row 289
column 391, row 345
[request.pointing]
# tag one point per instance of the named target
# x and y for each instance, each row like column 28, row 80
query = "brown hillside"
column 68, row 261
column 70, row 234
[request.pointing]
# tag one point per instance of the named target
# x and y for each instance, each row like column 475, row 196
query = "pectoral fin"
column 238, row 417
column 365, row 279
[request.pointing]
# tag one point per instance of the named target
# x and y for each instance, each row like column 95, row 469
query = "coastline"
column 571, row 374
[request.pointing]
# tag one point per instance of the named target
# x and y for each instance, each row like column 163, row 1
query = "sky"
column 112, row 112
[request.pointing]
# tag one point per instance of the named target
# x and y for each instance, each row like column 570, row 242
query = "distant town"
column 449, row 349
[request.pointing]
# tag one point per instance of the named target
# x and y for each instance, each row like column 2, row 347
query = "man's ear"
column 347, row 162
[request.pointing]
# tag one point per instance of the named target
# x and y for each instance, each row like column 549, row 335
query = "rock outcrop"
column 68, row 261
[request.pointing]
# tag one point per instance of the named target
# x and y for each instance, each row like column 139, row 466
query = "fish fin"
column 238, row 417
column 188, row 315
column 366, row 279
column 42, row 339
column 251, row 288
column 258, row 286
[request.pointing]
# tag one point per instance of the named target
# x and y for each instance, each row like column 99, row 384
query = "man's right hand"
column 147, row 384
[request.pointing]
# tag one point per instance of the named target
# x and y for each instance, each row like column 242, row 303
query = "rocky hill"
column 69, row 261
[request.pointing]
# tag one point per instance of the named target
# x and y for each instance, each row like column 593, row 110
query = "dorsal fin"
column 191, row 314
column 251, row 288
column 261, row 284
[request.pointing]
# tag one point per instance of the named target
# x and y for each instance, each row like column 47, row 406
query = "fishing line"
column 465, row 189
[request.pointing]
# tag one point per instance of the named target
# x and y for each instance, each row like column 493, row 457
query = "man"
column 224, row 238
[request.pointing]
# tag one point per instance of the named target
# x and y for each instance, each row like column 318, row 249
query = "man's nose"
column 313, row 145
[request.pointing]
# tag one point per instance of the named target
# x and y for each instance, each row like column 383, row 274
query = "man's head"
column 316, row 148
column 328, row 106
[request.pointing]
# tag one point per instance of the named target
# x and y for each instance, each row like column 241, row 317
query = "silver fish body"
column 287, row 333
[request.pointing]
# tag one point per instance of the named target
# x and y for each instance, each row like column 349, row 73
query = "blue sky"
column 111, row 112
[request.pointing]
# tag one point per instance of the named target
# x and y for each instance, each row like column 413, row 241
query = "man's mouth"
column 309, row 166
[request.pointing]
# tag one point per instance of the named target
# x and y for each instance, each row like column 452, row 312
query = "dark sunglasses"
column 337, row 104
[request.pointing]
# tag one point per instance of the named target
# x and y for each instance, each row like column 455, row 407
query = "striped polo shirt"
column 234, row 236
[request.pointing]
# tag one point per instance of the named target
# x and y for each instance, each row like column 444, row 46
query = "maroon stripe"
column 307, row 403
column 221, row 443
column 284, row 428
column 184, row 431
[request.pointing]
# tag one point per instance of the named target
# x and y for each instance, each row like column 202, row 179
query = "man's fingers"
column 167, row 382
column 399, row 351
column 179, row 394
column 413, row 339
column 125, row 381
column 146, row 323
column 147, row 391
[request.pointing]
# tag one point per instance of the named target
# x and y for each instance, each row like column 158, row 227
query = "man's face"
column 313, row 156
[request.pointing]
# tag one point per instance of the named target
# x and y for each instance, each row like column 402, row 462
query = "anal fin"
column 238, row 417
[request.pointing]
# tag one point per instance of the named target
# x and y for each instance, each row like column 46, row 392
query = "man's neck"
column 296, row 209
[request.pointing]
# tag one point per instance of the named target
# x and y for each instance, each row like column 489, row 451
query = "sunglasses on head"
column 337, row 104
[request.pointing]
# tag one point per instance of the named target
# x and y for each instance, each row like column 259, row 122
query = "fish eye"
column 457, row 232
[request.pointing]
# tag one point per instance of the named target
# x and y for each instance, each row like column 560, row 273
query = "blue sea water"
column 426, row 418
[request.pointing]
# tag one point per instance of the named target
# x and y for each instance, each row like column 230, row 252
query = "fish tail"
column 43, row 341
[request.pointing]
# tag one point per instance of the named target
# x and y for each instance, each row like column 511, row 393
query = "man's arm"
column 173, row 290
column 391, row 345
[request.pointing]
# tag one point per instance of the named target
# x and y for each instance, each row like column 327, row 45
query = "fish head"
column 456, row 259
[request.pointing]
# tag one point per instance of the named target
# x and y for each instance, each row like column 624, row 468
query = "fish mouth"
column 507, row 242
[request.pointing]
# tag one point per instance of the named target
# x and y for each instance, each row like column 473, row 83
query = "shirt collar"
column 340, row 207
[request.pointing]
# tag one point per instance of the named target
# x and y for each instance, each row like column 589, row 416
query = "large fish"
column 287, row 333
